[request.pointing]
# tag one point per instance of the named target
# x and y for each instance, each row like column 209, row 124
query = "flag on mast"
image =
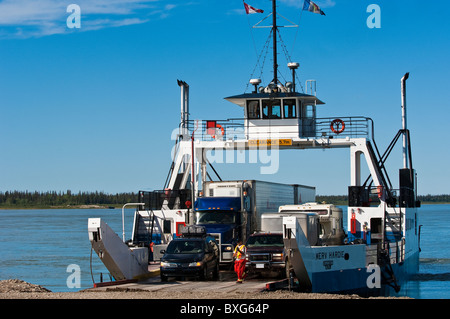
column 308, row 5
column 250, row 10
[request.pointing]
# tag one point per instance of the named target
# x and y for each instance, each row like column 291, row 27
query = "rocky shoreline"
column 19, row 289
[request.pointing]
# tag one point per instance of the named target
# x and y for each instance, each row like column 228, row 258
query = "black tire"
column 204, row 274
column 216, row 272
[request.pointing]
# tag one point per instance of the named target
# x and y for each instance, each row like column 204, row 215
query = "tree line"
column 21, row 199
column 343, row 199
column 434, row 198
column 25, row 199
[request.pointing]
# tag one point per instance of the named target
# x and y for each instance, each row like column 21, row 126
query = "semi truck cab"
column 223, row 218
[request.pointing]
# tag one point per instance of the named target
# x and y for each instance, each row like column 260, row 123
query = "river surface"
column 47, row 246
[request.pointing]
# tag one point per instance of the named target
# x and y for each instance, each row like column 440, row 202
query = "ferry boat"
column 374, row 256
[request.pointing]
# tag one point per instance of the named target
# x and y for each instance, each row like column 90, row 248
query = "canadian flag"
column 250, row 9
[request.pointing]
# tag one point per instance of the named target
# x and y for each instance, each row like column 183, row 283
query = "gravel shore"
column 18, row 289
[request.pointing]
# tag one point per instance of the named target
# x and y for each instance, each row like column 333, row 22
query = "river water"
column 45, row 247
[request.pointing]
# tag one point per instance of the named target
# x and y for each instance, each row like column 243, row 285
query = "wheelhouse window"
column 309, row 111
column 271, row 109
column 289, row 108
column 253, row 109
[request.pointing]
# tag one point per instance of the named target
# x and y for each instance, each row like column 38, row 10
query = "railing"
column 360, row 196
column 169, row 199
column 240, row 129
column 210, row 130
column 337, row 127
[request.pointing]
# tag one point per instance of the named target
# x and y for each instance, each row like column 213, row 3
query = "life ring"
column 337, row 126
column 221, row 131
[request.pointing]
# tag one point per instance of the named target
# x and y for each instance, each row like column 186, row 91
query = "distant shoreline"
column 120, row 206
column 101, row 200
column 63, row 207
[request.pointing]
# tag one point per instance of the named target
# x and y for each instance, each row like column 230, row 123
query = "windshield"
column 216, row 217
column 272, row 240
column 185, row 247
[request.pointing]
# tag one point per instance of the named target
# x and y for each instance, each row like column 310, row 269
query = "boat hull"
column 362, row 281
column 368, row 270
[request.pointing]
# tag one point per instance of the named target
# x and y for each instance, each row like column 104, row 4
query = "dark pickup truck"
column 265, row 254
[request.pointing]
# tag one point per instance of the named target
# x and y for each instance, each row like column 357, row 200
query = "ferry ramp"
column 225, row 284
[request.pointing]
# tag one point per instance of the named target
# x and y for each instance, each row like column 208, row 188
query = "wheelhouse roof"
column 242, row 98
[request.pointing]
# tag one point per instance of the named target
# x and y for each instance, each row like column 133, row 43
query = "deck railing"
column 166, row 199
column 240, row 129
column 353, row 127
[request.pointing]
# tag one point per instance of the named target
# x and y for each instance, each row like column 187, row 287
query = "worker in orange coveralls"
column 239, row 262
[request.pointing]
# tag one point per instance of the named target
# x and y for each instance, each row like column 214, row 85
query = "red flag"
column 250, row 9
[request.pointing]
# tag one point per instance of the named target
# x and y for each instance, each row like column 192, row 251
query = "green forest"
column 53, row 199
column 68, row 199
column 424, row 199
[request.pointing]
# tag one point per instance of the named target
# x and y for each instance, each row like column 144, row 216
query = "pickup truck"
column 265, row 254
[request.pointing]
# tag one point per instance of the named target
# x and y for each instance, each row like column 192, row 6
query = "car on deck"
column 191, row 256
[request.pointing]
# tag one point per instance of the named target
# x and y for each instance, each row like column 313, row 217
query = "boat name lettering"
column 330, row 255
column 269, row 142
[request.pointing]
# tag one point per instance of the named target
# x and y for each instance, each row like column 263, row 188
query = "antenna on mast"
column 274, row 35
column 274, row 85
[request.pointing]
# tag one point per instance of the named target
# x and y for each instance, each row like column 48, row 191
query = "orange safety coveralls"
column 239, row 263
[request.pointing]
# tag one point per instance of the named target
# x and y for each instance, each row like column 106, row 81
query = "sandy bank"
column 18, row 289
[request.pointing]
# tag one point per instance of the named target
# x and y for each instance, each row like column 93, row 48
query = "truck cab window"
column 253, row 109
column 215, row 217
column 289, row 109
column 271, row 109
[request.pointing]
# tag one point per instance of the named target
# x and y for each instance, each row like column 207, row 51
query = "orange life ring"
column 221, row 131
column 337, row 126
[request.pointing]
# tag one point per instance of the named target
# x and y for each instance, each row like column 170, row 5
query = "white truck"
column 232, row 210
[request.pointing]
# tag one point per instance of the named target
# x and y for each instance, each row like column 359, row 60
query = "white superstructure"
column 382, row 222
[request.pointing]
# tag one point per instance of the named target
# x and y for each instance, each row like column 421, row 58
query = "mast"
column 274, row 35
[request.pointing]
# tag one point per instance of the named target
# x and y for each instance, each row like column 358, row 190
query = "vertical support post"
column 355, row 169
column 193, row 169
column 123, row 217
column 193, row 179
column 404, row 126
column 203, row 168
column 184, row 107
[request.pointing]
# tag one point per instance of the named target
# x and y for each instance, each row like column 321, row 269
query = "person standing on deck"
column 239, row 262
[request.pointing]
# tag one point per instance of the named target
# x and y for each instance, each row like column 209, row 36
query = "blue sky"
column 94, row 108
